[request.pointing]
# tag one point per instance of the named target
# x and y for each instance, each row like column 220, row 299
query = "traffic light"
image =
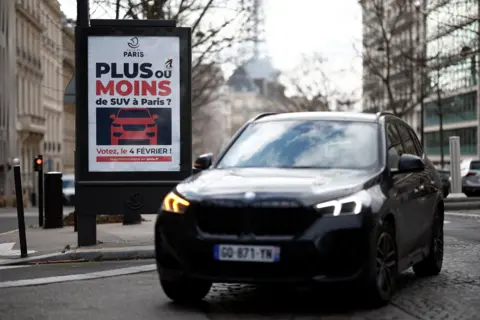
column 38, row 164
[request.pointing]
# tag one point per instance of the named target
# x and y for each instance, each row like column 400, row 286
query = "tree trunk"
column 440, row 120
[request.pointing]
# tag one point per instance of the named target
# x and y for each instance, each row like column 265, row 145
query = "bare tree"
column 212, row 36
column 451, row 15
column 391, row 55
column 217, row 29
column 313, row 88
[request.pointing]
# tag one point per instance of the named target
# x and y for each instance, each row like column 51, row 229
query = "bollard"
column 20, row 209
column 53, row 200
column 74, row 221
column 38, row 165
column 455, row 173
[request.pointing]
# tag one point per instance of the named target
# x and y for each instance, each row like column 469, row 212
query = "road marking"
column 78, row 277
column 6, row 249
column 447, row 222
column 8, row 232
column 11, row 267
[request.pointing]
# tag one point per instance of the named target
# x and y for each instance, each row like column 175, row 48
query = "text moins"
column 130, row 71
column 135, row 87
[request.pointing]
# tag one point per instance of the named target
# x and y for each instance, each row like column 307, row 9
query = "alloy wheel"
column 386, row 263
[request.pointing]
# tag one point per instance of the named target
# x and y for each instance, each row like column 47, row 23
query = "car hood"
column 301, row 184
column 133, row 121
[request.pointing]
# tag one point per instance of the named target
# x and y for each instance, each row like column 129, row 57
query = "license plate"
column 245, row 253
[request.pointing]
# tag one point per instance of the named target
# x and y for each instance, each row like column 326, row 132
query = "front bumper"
column 332, row 249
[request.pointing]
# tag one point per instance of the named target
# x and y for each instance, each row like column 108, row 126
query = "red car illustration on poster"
column 133, row 126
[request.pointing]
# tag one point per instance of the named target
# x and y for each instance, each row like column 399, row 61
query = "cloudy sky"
column 293, row 28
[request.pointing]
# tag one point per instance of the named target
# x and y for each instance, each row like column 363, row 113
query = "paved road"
column 455, row 294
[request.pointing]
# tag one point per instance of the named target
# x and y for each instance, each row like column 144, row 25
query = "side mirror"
column 410, row 163
column 112, row 116
column 155, row 116
column 203, row 162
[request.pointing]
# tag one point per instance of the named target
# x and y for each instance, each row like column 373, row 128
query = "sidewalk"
column 115, row 242
column 29, row 212
column 465, row 214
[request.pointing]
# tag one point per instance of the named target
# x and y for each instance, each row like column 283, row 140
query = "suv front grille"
column 134, row 127
column 274, row 218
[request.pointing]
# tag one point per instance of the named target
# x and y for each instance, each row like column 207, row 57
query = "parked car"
column 308, row 197
column 68, row 189
column 470, row 172
column 445, row 177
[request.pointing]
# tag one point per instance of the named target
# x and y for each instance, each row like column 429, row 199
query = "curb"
column 470, row 216
column 462, row 199
column 462, row 205
column 85, row 255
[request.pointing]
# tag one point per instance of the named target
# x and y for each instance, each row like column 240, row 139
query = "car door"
column 402, row 195
column 430, row 186
column 417, row 191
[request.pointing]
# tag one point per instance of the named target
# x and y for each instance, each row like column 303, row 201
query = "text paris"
column 134, row 101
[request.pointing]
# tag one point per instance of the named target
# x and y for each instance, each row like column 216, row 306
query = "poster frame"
column 82, row 173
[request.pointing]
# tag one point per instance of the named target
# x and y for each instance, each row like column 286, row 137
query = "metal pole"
column 86, row 224
column 83, row 15
column 20, row 213
column 40, row 194
column 455, row 168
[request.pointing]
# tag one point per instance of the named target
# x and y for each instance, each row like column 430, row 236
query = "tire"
column 381, row 277
column 186, row 290
column 432, row 264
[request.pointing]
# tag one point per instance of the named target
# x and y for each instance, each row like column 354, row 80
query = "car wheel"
column 186, row 290
column 382, row 276
column 432, row 264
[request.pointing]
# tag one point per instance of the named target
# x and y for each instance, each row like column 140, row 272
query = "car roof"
column 320, row 115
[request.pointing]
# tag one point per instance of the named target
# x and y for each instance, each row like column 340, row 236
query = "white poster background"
column 156, row 50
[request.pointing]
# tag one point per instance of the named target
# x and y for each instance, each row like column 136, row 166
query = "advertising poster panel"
column 133, row 104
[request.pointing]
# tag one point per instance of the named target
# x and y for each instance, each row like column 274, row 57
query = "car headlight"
column 353, row 204
column 174, row 203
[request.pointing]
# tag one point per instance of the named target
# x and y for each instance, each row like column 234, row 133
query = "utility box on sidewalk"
column 53, row 200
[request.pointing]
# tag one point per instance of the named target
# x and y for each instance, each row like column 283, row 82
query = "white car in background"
column 470, row 172
column 68, row 189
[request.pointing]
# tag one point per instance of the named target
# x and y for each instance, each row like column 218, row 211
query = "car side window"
column 407, row 140
column 416, row 142
column 395, row 148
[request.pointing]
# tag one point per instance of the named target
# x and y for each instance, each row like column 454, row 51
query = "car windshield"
column 129, row 113
column 68, row 184
column 305, row 144
column 475, row 165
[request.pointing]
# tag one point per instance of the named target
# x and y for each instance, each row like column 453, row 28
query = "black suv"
column 306, row 197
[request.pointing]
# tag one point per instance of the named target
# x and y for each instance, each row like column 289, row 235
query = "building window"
column 455, row 109
column 468, row 141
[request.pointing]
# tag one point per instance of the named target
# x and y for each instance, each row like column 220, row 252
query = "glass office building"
column 452, row 50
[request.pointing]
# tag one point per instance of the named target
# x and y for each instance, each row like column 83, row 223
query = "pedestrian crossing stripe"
column 12, row 267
